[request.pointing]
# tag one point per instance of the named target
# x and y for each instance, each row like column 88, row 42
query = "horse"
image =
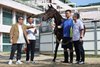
column 58, row 19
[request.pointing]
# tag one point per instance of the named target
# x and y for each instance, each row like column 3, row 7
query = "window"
column 6, row 38
column 7, row 17
column 6, row 48
column 6, row 42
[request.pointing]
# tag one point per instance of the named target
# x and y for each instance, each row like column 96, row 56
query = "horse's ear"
column 48, row 6
column 51, row 6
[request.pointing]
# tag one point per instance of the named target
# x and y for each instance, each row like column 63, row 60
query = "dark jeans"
column 66, row 44
column 30, row 47
column 77, row 50
column 82, row 52
column 15, row 47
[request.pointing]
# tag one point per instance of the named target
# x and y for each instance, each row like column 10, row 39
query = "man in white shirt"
column 78, row 33
column 32, row 38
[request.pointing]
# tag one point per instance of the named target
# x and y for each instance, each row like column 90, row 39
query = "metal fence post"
column 95, row 36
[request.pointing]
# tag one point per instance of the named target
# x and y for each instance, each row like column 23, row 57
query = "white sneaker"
column 10, row 62
column 33, row 62
column 81, row 62
column 18, row 62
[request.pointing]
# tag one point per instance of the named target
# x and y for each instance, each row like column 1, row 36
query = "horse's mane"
column 58, row 18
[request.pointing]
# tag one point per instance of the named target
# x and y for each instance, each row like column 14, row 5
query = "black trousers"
column 30, row 48
column 66, row 44
column 15, row 47
column 77, row 50
column 82, row 52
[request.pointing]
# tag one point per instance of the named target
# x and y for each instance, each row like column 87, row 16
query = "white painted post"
column 14, row 17
column 1, row 22
column 25, row 18
column 34, row 21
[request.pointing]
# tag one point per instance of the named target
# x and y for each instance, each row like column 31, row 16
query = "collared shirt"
column 31, row 32
column 76, row 29
column 67, row 25
column 21, row 38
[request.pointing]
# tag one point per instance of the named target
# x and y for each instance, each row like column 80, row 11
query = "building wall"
column 6, row 22
column 8, row 16
column 92, row 12
column 19, row 6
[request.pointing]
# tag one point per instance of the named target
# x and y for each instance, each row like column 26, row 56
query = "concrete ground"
column 46, row 61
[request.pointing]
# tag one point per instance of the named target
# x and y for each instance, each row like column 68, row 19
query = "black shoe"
column 53, row 60
column 71, row 62
column 64, row 61
column 77, row 62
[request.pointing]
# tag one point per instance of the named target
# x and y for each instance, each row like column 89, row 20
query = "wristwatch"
column 81, row 37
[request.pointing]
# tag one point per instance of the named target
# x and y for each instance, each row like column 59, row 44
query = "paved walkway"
column 46, row 61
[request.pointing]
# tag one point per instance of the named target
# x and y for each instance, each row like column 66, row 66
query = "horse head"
column 49, row 13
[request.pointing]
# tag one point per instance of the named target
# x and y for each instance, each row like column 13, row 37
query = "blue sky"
column 84, row 2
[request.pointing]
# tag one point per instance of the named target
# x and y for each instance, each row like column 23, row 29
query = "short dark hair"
column 68, row 11
column 19, row 17
column 77, row 15
column 29, row 17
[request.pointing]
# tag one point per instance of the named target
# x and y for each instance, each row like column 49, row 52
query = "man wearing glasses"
column 18, row 37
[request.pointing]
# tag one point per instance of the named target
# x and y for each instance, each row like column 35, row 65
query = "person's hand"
column 81, row 38
column 39, row 24
column 32, row 26
column 11, row 41
column 35, row 31
column 59, row 26
column 52, row 25
column 28, row 42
